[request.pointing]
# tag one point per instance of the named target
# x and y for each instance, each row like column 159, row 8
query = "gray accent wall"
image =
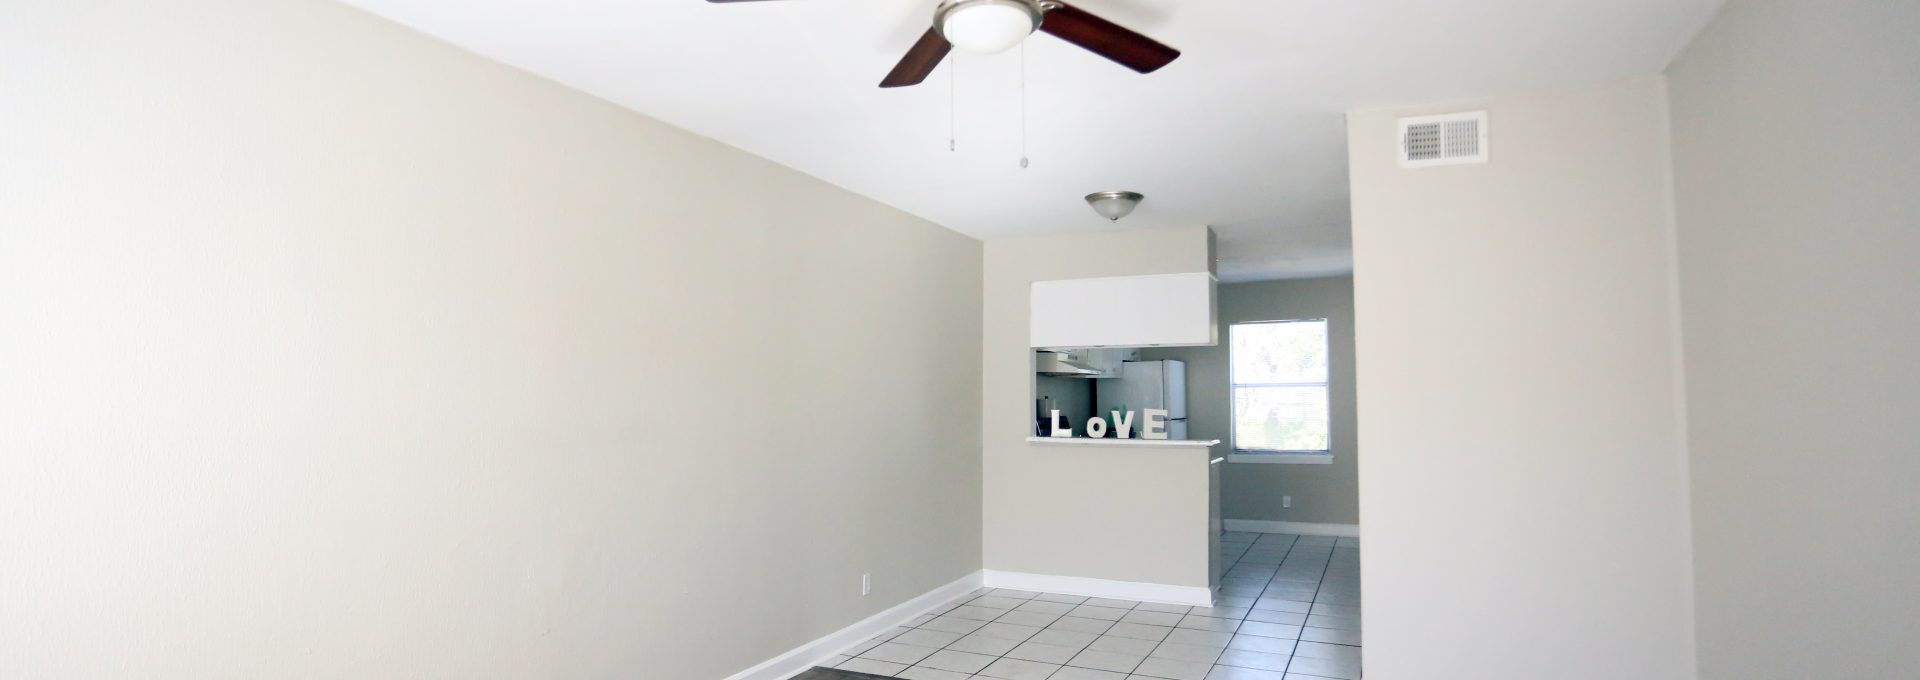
column 1322, row 494
column 1797, row 179
column 1073, row 397
column 329, row 350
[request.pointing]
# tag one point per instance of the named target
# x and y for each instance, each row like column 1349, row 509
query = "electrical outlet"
column 1286, row 501
column 866, row 584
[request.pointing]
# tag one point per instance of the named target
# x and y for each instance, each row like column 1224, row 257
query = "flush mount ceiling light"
column 987, row 26
column 1114, row 205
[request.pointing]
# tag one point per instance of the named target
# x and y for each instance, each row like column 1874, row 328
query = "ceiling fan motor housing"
column 987, row 26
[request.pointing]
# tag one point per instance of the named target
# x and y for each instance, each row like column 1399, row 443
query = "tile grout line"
column 1322, row 583
column 1293, row 553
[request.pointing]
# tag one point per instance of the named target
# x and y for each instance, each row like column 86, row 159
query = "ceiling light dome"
column 987, row 26
column 1114, row 205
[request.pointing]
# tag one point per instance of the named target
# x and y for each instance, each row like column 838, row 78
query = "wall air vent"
column 1450, row 139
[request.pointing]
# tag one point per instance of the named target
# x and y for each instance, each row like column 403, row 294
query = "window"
column 1280, row 399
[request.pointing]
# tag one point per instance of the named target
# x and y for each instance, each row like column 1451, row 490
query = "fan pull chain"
column 1023, row 105
column 953, row 107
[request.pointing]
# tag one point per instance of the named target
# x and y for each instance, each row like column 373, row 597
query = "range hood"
column 1060, row 363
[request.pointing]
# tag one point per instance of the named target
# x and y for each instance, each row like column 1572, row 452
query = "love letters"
column 1152, row 426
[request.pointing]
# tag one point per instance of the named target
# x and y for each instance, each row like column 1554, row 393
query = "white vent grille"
column 1450, row 139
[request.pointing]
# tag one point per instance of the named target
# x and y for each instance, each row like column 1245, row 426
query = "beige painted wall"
column 1124, row 514
column 1795, row 159
column 1324, row 494
column 1524, row 491
column 331, row 351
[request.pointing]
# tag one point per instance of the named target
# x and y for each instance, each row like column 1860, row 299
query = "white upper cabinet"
column 1163, row 310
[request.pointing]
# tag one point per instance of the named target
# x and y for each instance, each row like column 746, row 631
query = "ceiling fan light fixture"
column 987, row 26
column 1114, row 205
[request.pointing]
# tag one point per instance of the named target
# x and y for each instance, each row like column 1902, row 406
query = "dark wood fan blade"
column 1107, row 39
column 920, row 61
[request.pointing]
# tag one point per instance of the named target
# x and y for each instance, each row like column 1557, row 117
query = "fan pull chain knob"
column 953, row 103
column 1023, row 106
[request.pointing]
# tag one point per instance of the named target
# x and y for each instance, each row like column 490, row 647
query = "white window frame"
column 1235, row 454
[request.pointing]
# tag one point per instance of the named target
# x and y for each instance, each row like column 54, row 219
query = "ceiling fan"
column 988, row 26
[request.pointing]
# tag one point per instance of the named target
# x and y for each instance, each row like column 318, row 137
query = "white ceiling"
column 1244, row 132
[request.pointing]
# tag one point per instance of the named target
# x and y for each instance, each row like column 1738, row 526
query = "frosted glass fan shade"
column 988, row 26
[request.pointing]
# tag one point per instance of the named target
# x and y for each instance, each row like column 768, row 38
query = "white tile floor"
column 1288, row 608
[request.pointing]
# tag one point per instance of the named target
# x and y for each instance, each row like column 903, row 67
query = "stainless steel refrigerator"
column 1143, row 385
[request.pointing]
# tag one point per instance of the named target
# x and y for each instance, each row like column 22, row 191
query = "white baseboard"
column 1301, row 528
column 813, row 653
column 1198, row 596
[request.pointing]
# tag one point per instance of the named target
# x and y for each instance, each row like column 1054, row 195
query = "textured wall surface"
column 1125, row 514
column 1524, row 492
column 1795, row 166
column 331, row 351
